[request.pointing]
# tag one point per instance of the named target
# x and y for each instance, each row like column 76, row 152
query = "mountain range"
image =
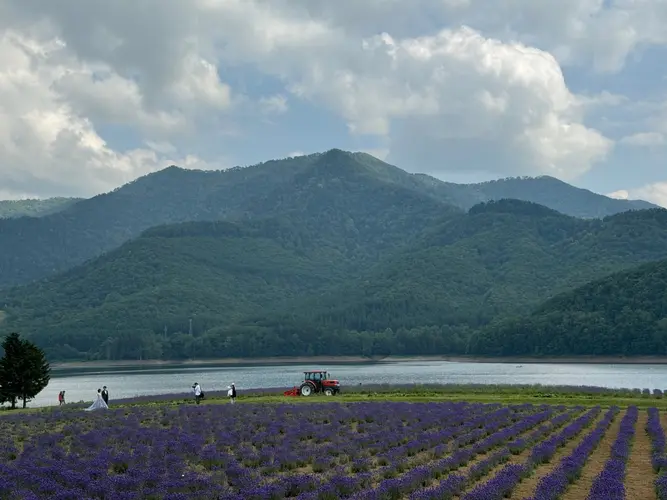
column 335, row 253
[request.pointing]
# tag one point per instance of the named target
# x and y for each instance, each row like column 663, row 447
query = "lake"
column 163, row 380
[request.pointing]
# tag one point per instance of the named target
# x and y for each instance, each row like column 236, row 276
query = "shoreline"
column 319, row 361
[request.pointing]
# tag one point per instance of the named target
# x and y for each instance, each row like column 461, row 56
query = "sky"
column 95, row 94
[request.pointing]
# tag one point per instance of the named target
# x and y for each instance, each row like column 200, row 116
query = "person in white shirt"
column 231, row 393
column 198, row 392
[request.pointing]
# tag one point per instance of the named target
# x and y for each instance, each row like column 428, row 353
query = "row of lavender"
column 371, row 450
column 658, row 452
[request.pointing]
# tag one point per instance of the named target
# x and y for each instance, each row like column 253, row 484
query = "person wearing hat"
column 231, row 392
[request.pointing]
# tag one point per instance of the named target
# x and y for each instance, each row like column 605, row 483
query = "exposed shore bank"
column 322, row 361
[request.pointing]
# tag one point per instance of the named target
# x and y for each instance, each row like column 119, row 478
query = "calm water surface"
column 127, row 384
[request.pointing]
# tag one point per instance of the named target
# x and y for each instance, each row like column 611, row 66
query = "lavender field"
column 367, row 450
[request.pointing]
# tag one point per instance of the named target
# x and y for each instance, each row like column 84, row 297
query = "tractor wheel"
column 306, row 390
column 329, row 391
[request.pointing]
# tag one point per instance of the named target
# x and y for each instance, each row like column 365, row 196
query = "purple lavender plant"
column 609, row 484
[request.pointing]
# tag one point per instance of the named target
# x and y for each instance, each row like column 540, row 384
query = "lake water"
column 144, row 382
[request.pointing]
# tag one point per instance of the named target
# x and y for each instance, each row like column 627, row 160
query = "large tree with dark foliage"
column 24, row 370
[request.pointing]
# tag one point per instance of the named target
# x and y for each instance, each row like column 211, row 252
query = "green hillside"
column 12, row 209
column 322, row 187
column 501, row 258
column 213, row 273
column 622, row 314
column 328, row 280
column 328, row 191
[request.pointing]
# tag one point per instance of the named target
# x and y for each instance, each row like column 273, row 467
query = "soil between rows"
column 640, row 477
column 580, row 489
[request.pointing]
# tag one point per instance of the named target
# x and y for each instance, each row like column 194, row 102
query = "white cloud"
column 655, row 193
column 591, row 33
column 621, row 194
column 46, row 144
column 436, row 94
column 644, row 139
column 274, row 105
column 466, row 85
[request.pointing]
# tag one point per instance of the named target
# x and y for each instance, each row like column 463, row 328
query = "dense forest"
column 356, row 268
column 12, row 209
column 317, row 189
column 624, row 313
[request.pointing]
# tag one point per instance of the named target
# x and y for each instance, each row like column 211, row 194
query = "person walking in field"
column 231, row 393
column 198, row 392
column 61, row 398
column 105, row 395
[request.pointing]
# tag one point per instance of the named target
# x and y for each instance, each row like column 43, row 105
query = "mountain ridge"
column 32, row 249
column 286, row 285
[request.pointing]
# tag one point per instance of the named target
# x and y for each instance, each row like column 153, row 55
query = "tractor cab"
column 316, row 376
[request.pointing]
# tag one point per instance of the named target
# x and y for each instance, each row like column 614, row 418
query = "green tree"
column 24, row 370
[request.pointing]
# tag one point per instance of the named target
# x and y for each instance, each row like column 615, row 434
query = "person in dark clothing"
column 105, row 395
column 232, row 393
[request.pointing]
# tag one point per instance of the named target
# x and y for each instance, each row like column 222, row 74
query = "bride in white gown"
column 99, row 403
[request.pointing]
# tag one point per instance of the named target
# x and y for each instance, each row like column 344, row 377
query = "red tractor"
column 316, row 381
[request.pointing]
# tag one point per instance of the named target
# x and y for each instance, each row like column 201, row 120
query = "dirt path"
column 639, row 482
column 526, row 488
column 595, row 463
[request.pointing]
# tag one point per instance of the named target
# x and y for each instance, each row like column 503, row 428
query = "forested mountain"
column 322, row 191
column 138, row 300
column 412, row 278
column 502, row 257
column 324, row 186
column 622, row 314
column 12, row 209
column 549, row 192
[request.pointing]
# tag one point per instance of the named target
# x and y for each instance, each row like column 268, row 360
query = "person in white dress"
column 99, row 403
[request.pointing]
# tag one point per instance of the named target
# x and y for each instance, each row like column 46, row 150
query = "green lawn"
column 482, row 394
